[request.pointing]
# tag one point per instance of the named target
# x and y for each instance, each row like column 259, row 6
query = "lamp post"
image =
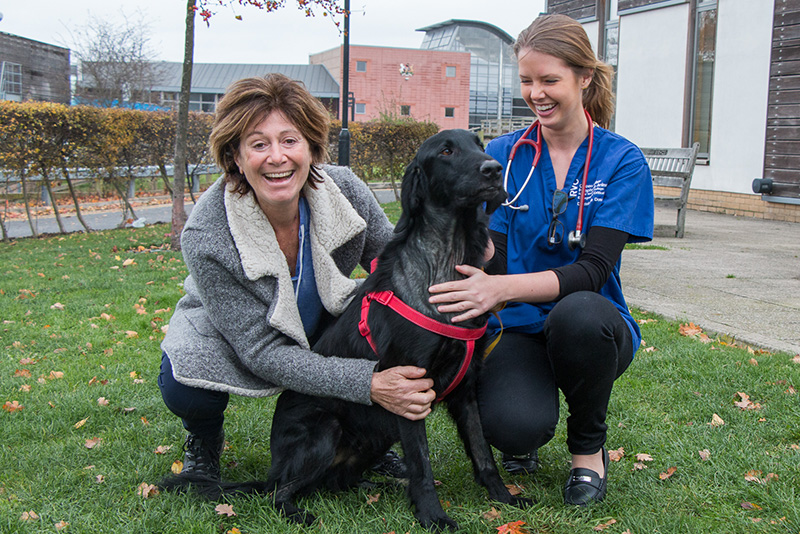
column 344, row 135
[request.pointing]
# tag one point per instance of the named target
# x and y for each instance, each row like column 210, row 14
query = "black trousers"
column 584, row 346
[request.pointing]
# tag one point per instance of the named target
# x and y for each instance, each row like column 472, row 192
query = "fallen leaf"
column 27, row 361
column 689, row 330
column 91, row 443
column 371, row 499
column 61, row 525
column 644, row 457
column 616, row 455
column 716, row 420
column 25, row 387
column 603, row 526
column 54, row 375
column 492, row 514
column 162, row 449
column 704, row 454
column 102, row 401
column 796, row 358
column 668, row 473
column 131, row 333
column 638, row 466
column 225, row 509
column 29, row 516
column 128, row 262
column 81, row 423
column 512, row 528
column 514, row 489
column 750, row 506
column 176, row 467
column 14, row 406
column 106, row 316
column 234, row 530
column 753, row 361
column 100, row 479
column 57, row 306
column 145, row 421
column 146, row 490
column 22, row 373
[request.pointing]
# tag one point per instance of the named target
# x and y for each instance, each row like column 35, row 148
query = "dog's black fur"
column 329, row 443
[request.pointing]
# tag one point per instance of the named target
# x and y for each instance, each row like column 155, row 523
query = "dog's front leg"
column 464, row 411
column 421, row 489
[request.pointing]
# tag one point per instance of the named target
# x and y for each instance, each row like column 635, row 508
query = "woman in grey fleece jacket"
column 270, row 248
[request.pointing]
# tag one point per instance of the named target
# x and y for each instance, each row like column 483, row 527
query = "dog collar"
column 392, row 301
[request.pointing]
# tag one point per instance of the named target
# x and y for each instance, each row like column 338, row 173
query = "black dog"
column 329, row 443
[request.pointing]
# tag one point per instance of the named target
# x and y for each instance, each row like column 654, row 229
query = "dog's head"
column 451, row 170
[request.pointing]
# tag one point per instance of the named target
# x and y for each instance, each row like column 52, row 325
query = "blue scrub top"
column 619, row 195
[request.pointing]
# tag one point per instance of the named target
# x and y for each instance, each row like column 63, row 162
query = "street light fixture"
column 344, row 135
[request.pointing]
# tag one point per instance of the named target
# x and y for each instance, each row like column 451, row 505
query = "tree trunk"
column 181, row 132
column 163, row 170
column 125, row 203
column 74, row 196
column 49, row 188
column 23, row 181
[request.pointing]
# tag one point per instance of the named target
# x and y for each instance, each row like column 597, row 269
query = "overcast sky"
column 283, row 37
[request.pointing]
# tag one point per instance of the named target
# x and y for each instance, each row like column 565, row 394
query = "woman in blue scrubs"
column 565, row 324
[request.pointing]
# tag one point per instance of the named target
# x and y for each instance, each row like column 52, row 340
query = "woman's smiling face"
column 275, row 159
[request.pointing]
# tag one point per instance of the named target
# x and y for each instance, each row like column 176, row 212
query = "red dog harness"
column 388, row 298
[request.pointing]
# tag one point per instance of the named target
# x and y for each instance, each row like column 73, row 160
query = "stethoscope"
column 576, row 238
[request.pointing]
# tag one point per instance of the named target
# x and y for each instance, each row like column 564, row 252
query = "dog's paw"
column 297, row 515
column 520, row 502
column 438, row 524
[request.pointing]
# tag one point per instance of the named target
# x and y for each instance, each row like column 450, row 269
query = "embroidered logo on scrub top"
column 595, row 192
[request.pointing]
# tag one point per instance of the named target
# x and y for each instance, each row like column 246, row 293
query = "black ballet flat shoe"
column 584, row 486
column 521, row 465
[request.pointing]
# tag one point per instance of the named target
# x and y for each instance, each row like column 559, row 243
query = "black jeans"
column 201, row 410
column 584, row 346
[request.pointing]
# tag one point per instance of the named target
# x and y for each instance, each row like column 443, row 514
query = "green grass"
column 662, row 406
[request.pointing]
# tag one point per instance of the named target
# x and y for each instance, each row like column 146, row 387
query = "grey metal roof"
column 505, row 37
column 216, row 77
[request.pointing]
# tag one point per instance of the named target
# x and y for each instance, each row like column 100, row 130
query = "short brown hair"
column 563, row 37
column 250, row 100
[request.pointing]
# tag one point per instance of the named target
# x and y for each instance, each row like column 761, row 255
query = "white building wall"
column 741, row 87
column 650, row 79
column 650, row 87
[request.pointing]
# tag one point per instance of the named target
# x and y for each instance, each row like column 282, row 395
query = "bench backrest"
column 671, row 167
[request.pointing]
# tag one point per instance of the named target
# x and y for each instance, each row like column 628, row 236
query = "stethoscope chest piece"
column 576, row 239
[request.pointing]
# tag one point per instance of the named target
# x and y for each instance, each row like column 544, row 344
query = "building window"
column 703, row 78
column 361, row 66
column 450, row 72
column 202, row 102
column 12, row 79
column 361, row 108
column 449, row 112
column 405, row 111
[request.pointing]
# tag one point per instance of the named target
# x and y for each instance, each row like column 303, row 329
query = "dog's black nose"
column 491, row 168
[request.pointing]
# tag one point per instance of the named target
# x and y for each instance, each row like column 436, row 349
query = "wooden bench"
column 672, row 168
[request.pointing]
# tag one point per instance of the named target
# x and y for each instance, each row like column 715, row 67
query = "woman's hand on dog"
column 403, row 391
column 471, row 297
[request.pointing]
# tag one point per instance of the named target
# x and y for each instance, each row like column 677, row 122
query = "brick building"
column 404, row 82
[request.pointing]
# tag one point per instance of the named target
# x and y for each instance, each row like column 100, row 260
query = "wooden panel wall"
column 577, row 9
column 630, row 4
column 782, row 151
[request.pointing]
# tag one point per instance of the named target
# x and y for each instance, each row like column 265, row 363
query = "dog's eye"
column 446, row 151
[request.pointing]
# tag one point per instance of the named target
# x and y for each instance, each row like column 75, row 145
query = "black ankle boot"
column 521, row 465
column 201, row 460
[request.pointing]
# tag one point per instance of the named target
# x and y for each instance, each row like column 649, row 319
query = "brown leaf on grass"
column 80, row 423
column 25, row 388
column 12, row 406
column 705, row 454
column 29, row 516
column 716, row 420
column 512, row 528
column 131, row 333
column 753, row 362
column 162, row 449
column 61, row 525
column 796, row 358
column 515, row 489
column 102, row 401
column 689, row 330
column 106, row 316
column 638, row 466
column 225, row 509
column 100, row 479
column 745, row 403
column 750, row 506
column 644, row 457
column 91, row 443
column 27, row 361
column 146, row 490
column 176, row 467
column 755, row 476
column 128, row 262
column 616, row 455
column 22, row 373
column 668, row 473
column 57, row 306
column 372, row 499
column 55, row 375
column 492, row 514
column 603, row 526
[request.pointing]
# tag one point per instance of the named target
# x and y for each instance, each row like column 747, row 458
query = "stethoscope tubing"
column 576, row 236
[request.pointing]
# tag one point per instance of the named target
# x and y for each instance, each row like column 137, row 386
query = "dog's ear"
column 413, row 192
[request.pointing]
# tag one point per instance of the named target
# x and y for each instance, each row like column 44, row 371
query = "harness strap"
column 389, row 299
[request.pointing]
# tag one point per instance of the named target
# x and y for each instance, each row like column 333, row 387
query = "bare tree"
column 116, row 61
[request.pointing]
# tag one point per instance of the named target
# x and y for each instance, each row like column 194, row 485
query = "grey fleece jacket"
column 237, row 329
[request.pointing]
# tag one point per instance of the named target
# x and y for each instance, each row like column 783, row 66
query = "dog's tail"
column 210, row 488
